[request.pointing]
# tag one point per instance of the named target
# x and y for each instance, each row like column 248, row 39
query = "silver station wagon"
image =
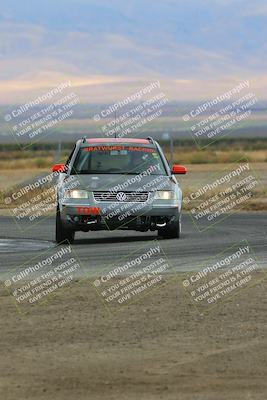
column 118, row 184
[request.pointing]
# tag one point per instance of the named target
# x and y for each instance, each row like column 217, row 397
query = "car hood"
column 107, row 182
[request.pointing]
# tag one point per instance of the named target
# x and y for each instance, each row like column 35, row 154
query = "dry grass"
column 13, row 177
column 187, row 156
column 45, row 159
column 35, row 163
column 199, row 175
column 28, row 159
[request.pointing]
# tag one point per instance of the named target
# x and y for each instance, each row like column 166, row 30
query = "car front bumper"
column 79, row 214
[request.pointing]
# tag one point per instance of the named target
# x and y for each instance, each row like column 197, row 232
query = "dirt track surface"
column 158, row 348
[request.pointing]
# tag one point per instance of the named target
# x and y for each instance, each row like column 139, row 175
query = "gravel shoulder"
column 157, row 348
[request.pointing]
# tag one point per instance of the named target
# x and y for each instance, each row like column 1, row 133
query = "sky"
column 110, row 48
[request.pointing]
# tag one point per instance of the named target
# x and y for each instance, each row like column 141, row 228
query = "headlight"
column 165, row 195
column 76, row 194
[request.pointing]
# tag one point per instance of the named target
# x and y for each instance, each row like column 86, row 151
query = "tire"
column 63, row 234
column 171, row 231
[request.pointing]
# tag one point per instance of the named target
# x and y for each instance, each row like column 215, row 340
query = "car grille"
column 121, row 197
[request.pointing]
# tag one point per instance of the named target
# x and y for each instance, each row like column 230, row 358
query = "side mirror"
column 59, row 168
column 179, row 169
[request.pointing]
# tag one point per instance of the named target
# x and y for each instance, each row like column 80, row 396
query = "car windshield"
column 130, row 160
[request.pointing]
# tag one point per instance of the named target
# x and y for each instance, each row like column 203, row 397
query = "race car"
column 118, row 184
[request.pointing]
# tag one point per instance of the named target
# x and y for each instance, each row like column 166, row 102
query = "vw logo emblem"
column 121, row 196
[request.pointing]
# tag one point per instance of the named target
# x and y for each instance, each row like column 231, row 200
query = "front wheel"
column 63, row 234
column 171, row 231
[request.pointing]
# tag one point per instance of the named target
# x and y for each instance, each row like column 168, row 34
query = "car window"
column 118, row 160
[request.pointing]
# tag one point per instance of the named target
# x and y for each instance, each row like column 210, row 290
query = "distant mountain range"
column 109, row 47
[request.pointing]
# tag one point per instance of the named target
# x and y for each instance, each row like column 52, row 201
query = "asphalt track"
column 96, row 249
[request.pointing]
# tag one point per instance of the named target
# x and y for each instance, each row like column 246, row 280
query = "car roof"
column 118, row 140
